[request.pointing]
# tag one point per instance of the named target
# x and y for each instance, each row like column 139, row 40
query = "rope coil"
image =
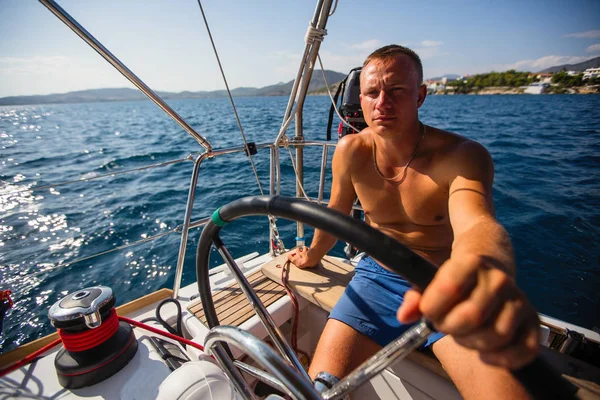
column 40, row 352
column 5, row 298
column 86, row 340
column 314, row 35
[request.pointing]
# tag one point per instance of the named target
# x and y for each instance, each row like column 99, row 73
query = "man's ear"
column 422, row 95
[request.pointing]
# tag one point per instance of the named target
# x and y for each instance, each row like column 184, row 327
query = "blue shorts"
column 371, row 301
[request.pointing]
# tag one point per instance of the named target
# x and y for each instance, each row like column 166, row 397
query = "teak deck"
column 232, row 306
column 322, row 285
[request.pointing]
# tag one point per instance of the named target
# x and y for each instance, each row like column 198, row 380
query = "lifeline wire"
column 53, row 185
column 231, row 98
column 280, row 245
column 149, row 238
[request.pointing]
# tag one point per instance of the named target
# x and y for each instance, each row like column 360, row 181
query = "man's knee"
column 340, row 349
column 473, row 378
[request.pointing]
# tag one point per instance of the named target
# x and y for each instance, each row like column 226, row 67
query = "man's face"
column 391, row 94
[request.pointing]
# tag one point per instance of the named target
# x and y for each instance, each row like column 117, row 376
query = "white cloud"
column 346, row 57
column 55, row 74
column 540, row 63
column 595, row 48
column 431, row 43
column 342, row 62
column 427, row 53
column 368, row 45
column 285, row 64
column 584, row 35
column 20, row 65
column 343, row 58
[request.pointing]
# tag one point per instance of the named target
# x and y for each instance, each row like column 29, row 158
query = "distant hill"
column 126, row 94
column 450, row 77
column 592, row 63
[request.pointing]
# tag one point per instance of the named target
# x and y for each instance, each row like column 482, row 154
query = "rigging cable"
column 314, row 34
column 272, row 220
column 231, row 98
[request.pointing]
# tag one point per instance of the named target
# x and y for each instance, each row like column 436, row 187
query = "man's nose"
column 383, row 101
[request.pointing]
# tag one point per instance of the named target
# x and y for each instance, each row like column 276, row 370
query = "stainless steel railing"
column 316, row 30
column 187, row 224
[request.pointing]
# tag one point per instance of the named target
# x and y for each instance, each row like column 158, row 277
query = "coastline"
column 507, row 90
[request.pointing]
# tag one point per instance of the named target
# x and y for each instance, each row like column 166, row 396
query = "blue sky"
column 260, row 41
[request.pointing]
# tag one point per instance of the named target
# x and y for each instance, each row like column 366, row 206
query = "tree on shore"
column 563, row 79
column 509, row 78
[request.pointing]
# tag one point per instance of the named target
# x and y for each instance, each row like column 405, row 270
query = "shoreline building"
column 591, row 73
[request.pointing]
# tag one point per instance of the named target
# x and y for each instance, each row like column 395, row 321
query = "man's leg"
column 473, row 378
column 340, row 350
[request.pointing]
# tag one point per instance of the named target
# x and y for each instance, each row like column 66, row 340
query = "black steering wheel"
column 538, row 378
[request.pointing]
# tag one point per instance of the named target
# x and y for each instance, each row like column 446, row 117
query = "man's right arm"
column 342, row 199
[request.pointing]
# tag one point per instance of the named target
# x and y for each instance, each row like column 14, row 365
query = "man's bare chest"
column 419, row 200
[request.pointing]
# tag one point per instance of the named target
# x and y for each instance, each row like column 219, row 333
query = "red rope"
column 158, row 331
column 82, row 341
column 28, row 358
column 123, row 350
column 285, row 274
column 5, row 296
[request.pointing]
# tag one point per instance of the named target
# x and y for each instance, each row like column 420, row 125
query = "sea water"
column 546, row 151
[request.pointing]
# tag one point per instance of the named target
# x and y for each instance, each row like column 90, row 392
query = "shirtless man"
column 431, row 190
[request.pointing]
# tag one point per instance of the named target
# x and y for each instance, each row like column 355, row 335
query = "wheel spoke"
column 293, row 384
column 261, row 376
column 396, row 351
column 259, row 308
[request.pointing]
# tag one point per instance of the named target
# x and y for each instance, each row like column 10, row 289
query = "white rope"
column 314, row 34
column 334, row 8
column 348, row 124
column 286, row 145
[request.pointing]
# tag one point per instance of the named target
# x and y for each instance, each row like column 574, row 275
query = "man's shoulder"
column 355, row 144
column 452, row 146
column 459, row 155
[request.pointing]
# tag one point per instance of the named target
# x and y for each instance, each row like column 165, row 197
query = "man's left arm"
column 473, row 296
column 471, row 209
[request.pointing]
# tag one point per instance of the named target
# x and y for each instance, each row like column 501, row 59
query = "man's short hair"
column 391, row 51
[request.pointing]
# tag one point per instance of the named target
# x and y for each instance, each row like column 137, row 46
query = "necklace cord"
column 403, row 172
